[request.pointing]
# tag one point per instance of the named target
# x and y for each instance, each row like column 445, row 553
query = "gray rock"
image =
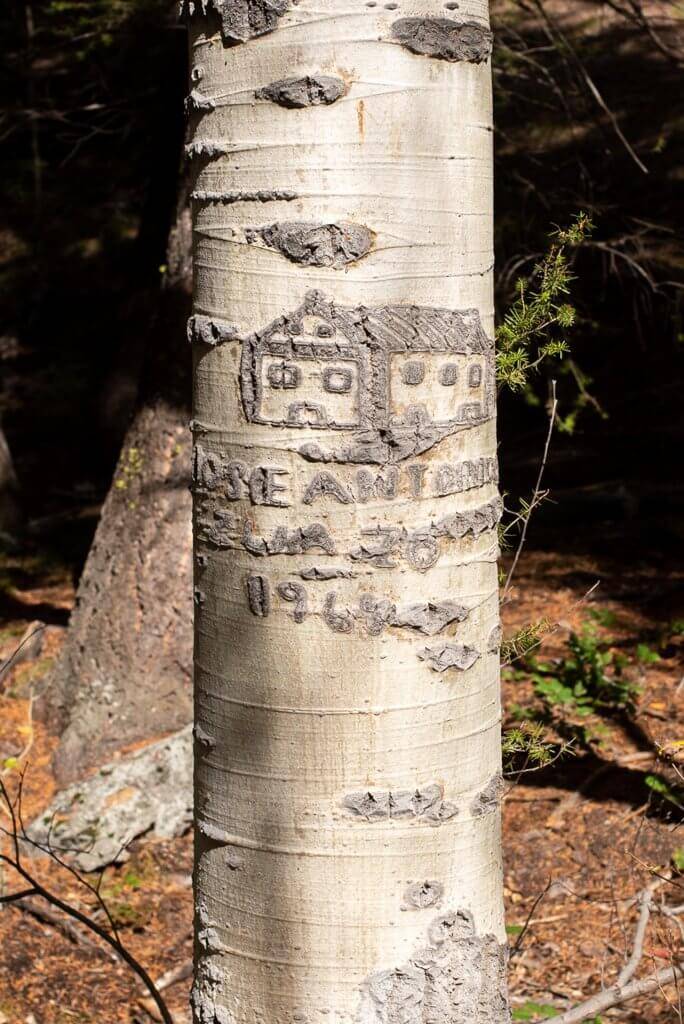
column 95, row 820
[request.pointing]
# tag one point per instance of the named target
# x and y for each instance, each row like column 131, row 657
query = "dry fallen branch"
column 629, row 970
column 616, row 995
column 537, row 495
column 625, row 989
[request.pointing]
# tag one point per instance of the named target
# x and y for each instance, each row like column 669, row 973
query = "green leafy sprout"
column 533, row 330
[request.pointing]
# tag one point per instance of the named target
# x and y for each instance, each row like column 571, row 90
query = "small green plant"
column 664, row 791
column 122, row 894
column 603, row 616
column 533, row 330
column 534, row 1011
column 646, row 656
column 515, row 929
column 678, row 860
column 591, row 680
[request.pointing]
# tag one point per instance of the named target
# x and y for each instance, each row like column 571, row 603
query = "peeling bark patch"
column 444, row 38
column 210, row 332
column 199, row 102
column 379, row 805
column 371, row 806
column 476, row 522
column 212, row 832
column 259, row 596
column 459, row 976
column 240, row 20
column 204, row 993
column 317, row 572
column 443, row 656
column 209, row 940
column 206, row 147
column 494, row 640
column 489, row 799
column 308, row 91
column 420, row 895
column 430, row 618
column 258, row 196
column 317, row 245
column 202, row 737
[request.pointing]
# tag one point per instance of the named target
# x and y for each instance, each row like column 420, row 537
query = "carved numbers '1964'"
column 361, row 394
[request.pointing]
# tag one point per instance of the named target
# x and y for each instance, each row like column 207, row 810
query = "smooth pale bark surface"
column 347, row 626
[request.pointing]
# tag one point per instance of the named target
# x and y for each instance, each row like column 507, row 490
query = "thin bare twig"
column 13, row 897
column 528, row 921
column 4, row 668
column 553, row 28
column 537, row 490
column 16, row 836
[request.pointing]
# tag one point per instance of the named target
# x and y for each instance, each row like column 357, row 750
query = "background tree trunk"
column 347, row 627
column 10, row 511
column 125, row 673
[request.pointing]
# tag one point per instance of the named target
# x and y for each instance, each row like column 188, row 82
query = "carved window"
column 475, row 376
column 337, row 380
column 284, row 376
column 448, row 375
column 413, row 372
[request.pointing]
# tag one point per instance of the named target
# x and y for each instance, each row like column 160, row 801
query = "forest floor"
column 582, row 836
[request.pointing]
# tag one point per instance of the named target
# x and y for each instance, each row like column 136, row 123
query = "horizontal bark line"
column 211, row 833
column 367, row 712
column 212, row 148
column 372, row 279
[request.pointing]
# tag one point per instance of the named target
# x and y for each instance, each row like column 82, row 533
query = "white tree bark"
column 346, row 502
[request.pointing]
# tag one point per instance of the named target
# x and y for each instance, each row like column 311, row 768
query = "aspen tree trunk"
column 348, row 860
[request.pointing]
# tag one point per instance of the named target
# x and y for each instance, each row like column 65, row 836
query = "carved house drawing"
column 398, row 379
